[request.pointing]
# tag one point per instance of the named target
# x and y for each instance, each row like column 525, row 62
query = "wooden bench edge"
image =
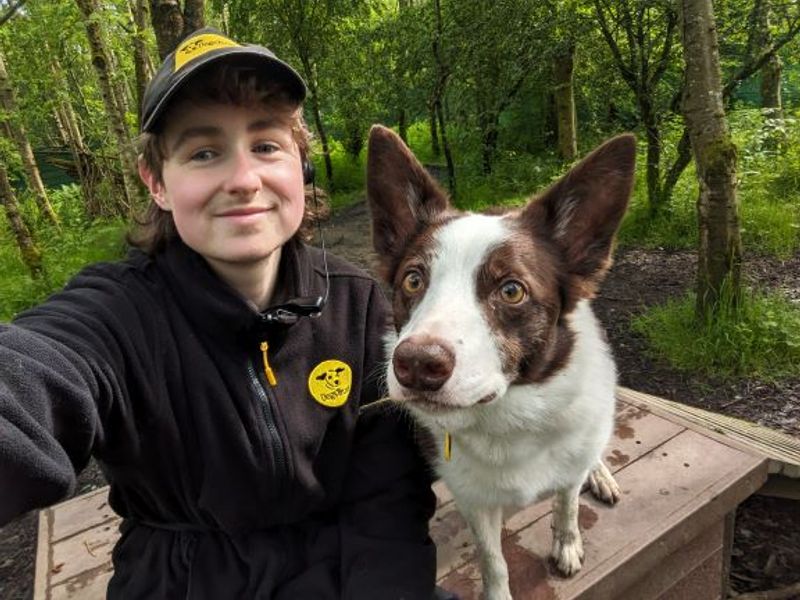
column 737, row 433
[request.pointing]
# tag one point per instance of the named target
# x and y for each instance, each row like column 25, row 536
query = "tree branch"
column 666, row 50
column 11, row 11
column 627, row 73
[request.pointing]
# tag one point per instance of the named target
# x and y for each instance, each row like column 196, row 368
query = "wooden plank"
column 89, row 585
column 782, row 450
column 702, row 583
column 88, row 551
column 666, row 505
column 41, row 579
column 81, row 513
column 681, row 565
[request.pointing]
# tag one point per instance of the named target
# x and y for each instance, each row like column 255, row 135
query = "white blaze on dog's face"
column 482, row 302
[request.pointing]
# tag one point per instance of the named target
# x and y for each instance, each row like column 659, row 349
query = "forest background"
column 495, row 97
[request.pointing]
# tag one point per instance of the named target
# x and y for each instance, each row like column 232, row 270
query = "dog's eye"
column 412, row 282
column 512, row 292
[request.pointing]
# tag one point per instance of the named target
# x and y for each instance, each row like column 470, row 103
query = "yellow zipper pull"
column 448, row 445
column 267, row 369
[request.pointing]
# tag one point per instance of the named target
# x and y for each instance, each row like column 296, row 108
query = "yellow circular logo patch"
column 330, row 383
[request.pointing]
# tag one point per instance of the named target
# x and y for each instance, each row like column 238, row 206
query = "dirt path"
column 766, row 550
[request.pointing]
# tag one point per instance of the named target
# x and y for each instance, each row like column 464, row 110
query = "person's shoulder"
column 135, row 266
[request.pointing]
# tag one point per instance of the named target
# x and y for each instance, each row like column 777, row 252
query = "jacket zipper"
column 265, row 401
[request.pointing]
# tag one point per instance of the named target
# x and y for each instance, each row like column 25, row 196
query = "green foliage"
column 768, row 193
column 81, row 242
column 514, row 179
column 348, row 172
column 761, row 339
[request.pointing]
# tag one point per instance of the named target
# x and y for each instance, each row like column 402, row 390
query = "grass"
column 760, row 340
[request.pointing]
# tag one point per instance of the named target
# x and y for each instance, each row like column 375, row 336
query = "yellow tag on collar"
column 199, row 45
column 448, row 445
column 330, row 382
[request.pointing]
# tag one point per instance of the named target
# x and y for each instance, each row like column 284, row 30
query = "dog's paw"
column 567, row 554
column 603, row 485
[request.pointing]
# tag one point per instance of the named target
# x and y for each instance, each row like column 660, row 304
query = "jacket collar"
column 215, row 307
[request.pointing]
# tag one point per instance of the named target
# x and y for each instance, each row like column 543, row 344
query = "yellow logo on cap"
column 330, row 382
column 199, row 45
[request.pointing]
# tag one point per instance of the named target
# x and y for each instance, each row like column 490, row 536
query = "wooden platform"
column 669, row 537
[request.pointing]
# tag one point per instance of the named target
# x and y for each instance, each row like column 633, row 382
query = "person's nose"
column 243, row 178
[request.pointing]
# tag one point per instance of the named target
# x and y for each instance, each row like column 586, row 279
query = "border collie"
column 496, row 350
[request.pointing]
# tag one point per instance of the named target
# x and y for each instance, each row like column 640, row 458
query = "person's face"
column 232, row 180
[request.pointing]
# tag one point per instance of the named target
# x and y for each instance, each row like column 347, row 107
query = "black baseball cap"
column 201, row 48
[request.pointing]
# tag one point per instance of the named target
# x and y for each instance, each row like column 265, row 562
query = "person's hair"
column 221, row 84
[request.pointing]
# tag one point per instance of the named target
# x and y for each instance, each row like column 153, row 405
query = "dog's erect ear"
column 582, row 211
column 402, row 196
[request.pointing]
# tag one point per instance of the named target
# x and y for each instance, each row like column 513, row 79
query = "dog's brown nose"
column 423, row 363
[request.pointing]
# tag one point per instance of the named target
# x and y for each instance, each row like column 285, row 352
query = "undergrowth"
column 760, row 338
column 81, row 241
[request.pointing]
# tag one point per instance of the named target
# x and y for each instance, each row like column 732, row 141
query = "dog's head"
column 331, row 377
column 482, row 302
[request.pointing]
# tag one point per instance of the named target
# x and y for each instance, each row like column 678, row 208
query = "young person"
column 222, row 375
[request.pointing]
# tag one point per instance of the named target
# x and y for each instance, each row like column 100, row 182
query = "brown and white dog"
column 496, row 350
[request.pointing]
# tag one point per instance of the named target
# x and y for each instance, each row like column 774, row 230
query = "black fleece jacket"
column 230, row 486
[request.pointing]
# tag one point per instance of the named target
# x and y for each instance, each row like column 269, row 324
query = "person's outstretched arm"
column 57, row 382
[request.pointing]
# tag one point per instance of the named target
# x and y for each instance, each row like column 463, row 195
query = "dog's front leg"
column 487, row 526
column 567, row 543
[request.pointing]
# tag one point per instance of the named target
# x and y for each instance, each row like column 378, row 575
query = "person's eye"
column 202, row 155
column 266, row 147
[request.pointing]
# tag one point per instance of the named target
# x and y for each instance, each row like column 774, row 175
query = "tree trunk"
column 402, row 125
column 563, row 67
column 442, row 75
column 759, row 40
column 436, row 150
column 448, row 156
column 772, row 105
column 29, row 251
column 720, row 246
column 17, row 131
column 653, row 136
column 101, row 63
column 489, row 136
column 771, row 88
column 323, row 136
column 140, row 62
column 171, row 24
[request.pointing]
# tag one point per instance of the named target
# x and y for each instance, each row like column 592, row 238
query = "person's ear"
column 154, row 185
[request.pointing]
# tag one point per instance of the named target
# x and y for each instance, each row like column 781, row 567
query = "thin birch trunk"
column 140, row 59
column 29, row 251
column 720, row 246
column 442, row 75
column 101, row 63
column 563, row 67
column 20, row 137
